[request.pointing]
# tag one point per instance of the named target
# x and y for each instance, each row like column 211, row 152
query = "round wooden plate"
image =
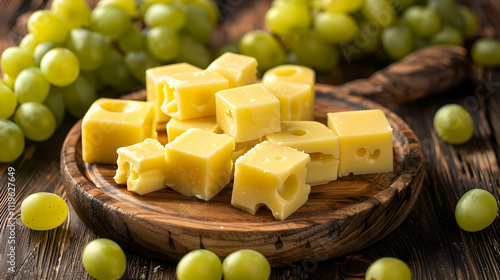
column 339, row 217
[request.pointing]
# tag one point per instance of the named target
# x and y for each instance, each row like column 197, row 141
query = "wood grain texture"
column 340, row 217
column 428, row 239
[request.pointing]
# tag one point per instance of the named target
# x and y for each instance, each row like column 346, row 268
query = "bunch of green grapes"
column 73, row 54
column 319, row 33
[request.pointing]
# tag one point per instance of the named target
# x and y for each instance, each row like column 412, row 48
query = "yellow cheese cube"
column 176, row 127
column 314, row 138
column 142, row 167
column 113, row 123
column 365, row 141
column 322, row 169
column 199, row 163
column 248, row 112
column 271, row 175
column 290, row 73
column 191, row 95
column 155, row 87
column 239, row 70
column 296, row 100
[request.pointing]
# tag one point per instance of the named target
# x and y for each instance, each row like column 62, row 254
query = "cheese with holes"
column 271, row 175
column 155, row 86
column 296, row 100
column 113, row 123
column 365, row 141
column 316, row 139
column 176, row 127
column 191, row 95
column 142, row 167
column 199, row 163
column 290, row 73
column 239, row 70
column 248, row 112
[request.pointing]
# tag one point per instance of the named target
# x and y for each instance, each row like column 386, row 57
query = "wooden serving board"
column 339, row 217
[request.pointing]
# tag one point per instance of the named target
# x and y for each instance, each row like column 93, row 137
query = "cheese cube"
column 176, row 127
column 191, row 95
column 155, row 87
column 296, row 100
column 271, row 175
column 290, row 73
column 113, row 123
column 314, row 138
column 142, row 167
column 239, row 70
column 322, row 169
column 248, row 112
column 365, row 141
column 199, row 163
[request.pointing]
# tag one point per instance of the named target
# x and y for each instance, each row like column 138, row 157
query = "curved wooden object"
column 339, row 217
column 424, row 72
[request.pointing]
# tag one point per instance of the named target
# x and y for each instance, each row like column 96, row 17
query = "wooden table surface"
column 429, row 240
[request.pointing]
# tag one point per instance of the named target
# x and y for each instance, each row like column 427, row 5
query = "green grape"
column 199, row 264
column 114, row 72
column 193, row 52
column 110, row 21
column 476, row 210
column 14, row 60
column 449, row 35
column 104, row 259
column 335, row 27
column 8, row 81
column 89, row 47
column 264, row 48
column 43, row 211
column 422, row 21
column 93, row 80
column 168, row 15
column 60, row 67
column 388, row 268
column 397, row 41
column 145, row 4
column 35, row 120
column 75, row 12
column 246, row 264
column 138, row 62
column 380, row 12
column 288, row 18
column 78, row 96
column 31, row 86
column 453, row 124
column 343, row 6
column 41, row 50
column 448, row 11
column 8, row 102
column 11, row 141
column 486, row 52
column 470, row 20
column 29, row 42
column 127, row 5
column 132, row 40
column 47, row 26
column 314, row 52
column 55, row 103
column 163, row 43
column 211, row 8
column 199, row 25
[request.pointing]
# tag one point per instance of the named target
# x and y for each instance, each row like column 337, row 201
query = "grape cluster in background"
column 73, row 54
column 321, row 33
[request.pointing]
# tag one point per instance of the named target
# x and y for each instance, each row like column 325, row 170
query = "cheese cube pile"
column 223, row 125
